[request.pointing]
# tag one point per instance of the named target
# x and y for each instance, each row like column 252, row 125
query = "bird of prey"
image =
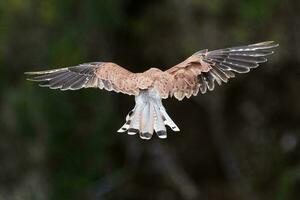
column 197, row 73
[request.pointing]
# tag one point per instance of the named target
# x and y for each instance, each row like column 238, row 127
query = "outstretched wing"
column 109, row 76
column 202, row 69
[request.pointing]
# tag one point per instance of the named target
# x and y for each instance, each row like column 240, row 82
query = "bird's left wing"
column 202, row 69
column 109, row 76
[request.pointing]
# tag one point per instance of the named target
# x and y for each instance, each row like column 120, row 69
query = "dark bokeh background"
column 240, row 142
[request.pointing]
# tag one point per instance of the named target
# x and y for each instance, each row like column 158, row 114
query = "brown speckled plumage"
column 197, row 73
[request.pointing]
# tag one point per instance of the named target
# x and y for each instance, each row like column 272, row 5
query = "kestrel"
column 197, row 73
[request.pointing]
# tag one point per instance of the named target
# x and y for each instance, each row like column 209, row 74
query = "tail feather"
column 148, row 115
column 125, row 127
column 159, row 125
column 151, row 119
column 168, row 121
column 130, row 115
column 134, row 126
column 145, row 125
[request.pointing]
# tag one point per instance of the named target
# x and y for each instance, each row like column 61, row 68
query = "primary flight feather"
column 197, row 73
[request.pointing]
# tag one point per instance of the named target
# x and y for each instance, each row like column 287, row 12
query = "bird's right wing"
column 109, row 76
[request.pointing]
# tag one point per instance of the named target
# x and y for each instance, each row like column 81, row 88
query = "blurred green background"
column 240, row 142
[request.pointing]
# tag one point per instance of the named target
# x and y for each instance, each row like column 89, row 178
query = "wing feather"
column 101, row 75
column 218, row 65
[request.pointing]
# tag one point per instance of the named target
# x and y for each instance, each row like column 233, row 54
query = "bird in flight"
column 197, row 73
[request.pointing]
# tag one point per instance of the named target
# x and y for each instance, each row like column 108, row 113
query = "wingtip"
column 273, row 44
column 270, row 43
column 29, row 73
column 35, row 73
column 44, row 71
column 30, row 79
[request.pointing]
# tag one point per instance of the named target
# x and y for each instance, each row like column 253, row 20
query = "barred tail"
column 148, row 116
